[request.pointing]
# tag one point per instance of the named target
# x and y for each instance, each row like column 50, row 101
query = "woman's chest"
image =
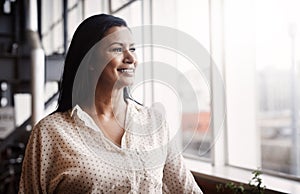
column 89, row 164
column 90, row 175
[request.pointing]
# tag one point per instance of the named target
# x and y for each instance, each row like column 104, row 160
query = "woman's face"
column 118, row 52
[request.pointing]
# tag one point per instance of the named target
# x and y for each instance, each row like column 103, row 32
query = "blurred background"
column 255, row 45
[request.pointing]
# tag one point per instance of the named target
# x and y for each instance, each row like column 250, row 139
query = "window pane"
column 262, row 63
column 193, row 90
column 278, row 82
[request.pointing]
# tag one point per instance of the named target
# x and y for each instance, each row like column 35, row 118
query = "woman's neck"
column 109, row 103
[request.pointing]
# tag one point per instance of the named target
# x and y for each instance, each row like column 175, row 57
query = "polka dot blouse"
column 68, row 153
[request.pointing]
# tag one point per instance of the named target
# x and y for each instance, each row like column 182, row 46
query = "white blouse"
column 68, row 153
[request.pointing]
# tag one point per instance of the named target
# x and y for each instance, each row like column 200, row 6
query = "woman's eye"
column 117, row 50
column 132, row 49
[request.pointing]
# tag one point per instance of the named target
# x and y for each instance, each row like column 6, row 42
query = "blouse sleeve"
column 30, row 181
column 176, row 177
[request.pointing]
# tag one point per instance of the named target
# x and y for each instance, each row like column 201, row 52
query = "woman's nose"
column 129, row 57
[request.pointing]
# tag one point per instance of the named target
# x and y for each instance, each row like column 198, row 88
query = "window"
column 262, row 81
column 278, row 80
column 196, row 122
column 173, row 75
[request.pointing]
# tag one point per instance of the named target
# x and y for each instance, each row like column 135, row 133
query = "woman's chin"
column 124, row 82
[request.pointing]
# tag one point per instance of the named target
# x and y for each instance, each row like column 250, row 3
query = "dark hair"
column 88, row 33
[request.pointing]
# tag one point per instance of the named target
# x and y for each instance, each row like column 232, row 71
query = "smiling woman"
column 100, row 140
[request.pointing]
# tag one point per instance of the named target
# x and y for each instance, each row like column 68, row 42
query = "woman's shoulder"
column 55, row 117
column 54, row 121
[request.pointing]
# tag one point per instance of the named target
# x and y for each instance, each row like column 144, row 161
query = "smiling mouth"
column 126, row 70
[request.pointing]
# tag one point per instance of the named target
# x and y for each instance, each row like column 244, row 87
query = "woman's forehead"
column 119, row 34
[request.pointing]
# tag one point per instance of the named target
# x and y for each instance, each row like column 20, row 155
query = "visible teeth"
column 126, row 70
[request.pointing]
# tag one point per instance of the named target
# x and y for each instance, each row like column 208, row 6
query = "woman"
column 99, row 140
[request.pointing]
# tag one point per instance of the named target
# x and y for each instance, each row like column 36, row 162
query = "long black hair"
column 88, row 33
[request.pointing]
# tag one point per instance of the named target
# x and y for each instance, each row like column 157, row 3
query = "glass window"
column 278, row 79
column 53, row 24
column 262, row 80
column 190, row 18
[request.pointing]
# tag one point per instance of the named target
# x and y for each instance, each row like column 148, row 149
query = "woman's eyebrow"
column 121, row 44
